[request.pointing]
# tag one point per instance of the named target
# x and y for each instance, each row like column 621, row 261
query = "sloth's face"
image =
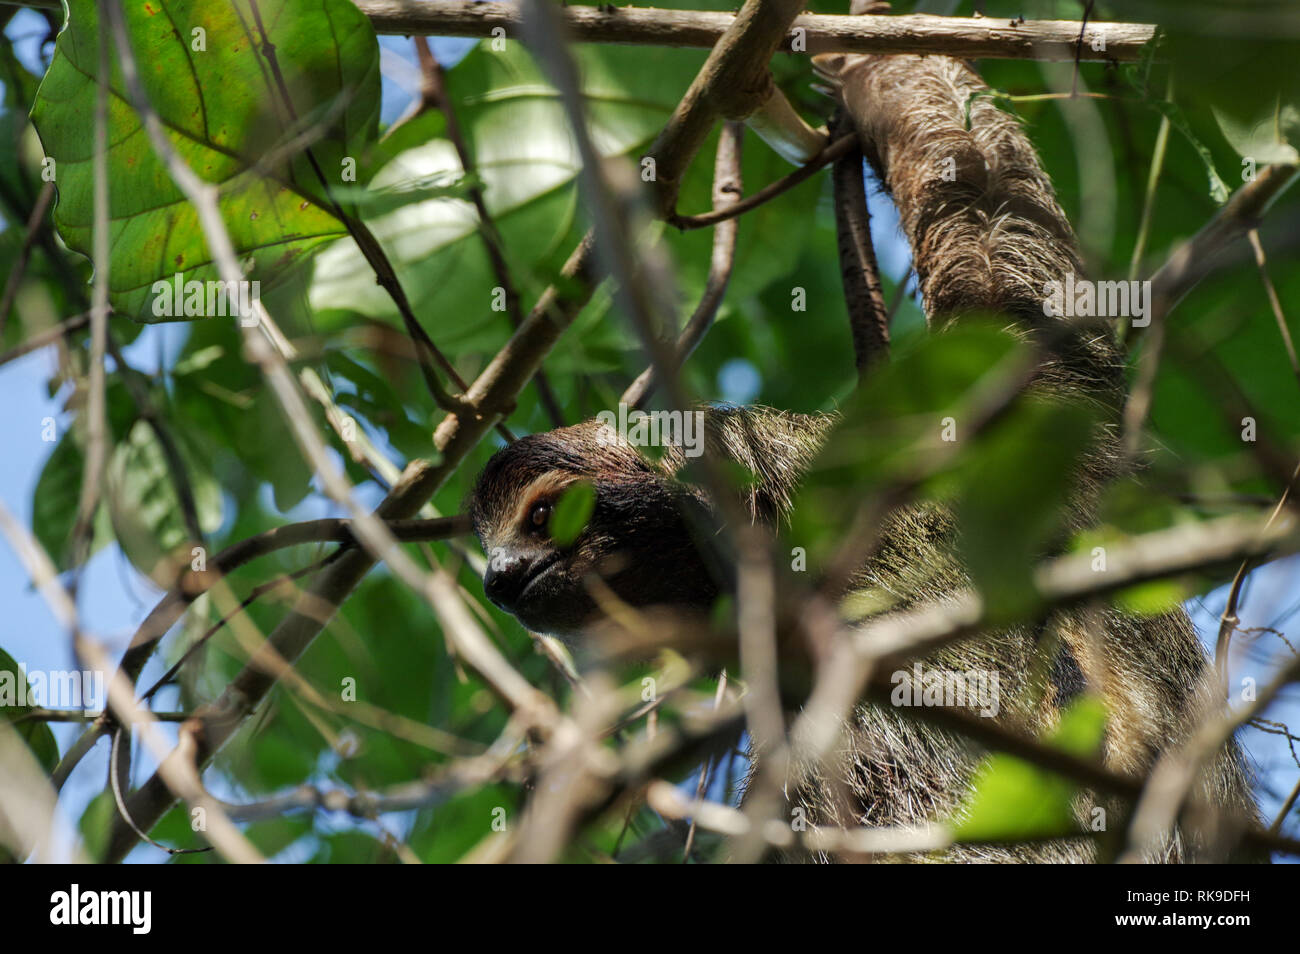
column 636, row 549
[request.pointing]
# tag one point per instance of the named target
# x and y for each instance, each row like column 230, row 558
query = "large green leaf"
column 519, row 135
column 572, row 512
column 223, row 111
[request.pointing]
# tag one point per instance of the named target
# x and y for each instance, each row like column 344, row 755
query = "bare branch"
column 1196, row 257
column 859, row 273
column 733, row 82
column 966, row 37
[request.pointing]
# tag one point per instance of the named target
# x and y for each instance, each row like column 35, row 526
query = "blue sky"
column 114, row 598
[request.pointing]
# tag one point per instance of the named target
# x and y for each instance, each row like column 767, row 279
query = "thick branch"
column 966, row 37
column 733, row 82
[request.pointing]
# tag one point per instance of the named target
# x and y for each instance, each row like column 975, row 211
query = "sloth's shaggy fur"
column 987, row 235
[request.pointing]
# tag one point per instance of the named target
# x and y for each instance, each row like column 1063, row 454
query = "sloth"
column 648, row 542
column 987, row 236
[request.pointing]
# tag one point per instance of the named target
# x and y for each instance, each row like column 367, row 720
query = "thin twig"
column 703, row 786
column 434, row 90
column 1153, row 180
column 1230, row 618
column 86, row 715
column 116, row 760
column 727, row 186
column 35, row 222
column 831, row 153
column 95, row 417
column 1274, row 302
column 48, row 337
column 194, row 584
column 1285, row 810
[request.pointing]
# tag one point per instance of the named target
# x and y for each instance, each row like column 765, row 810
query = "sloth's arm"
column 986, row 231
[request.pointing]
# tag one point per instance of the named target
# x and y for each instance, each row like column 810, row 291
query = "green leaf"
column 1012, row 798
column 572, row 511
column 18, row 184
column 38, row 735
column 436, row 185
column 893, row 427
column 145, row 508
column 1237, row 61
column 97, row 822
column 1266, row 137
column 221, row 397
column 1014, row 490
column 451, row 829
column 1218, row 188
column 223, row 111
column 1154, row 598
column 56, row 499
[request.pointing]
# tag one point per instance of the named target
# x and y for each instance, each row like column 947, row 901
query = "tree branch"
column 966, row 37
column 1196, row 257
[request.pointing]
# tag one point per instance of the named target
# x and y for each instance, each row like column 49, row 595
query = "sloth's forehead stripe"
column 545, row 486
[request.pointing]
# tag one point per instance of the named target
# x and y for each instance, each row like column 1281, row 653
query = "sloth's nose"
column 505, row 580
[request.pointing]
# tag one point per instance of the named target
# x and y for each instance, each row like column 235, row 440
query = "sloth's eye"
column 539, row 514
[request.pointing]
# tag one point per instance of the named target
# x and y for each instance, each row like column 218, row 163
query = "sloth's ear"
column 828, row 67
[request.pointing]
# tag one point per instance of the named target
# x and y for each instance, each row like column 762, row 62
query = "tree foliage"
column 201, row 444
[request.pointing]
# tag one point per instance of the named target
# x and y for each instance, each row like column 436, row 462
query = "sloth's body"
column 987, row 235
column 643, row 543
